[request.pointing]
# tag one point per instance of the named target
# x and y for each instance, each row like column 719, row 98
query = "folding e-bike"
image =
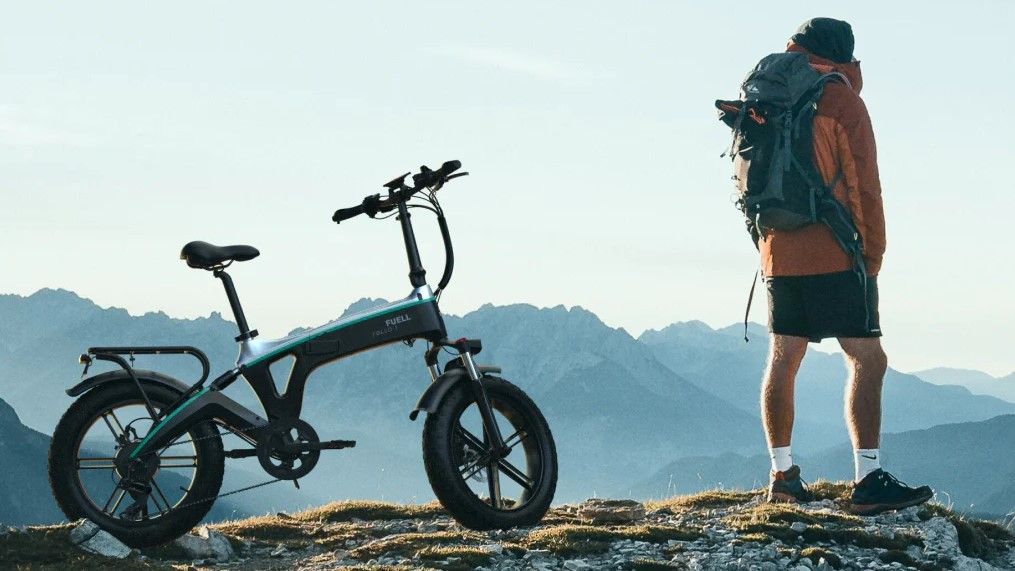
column 141, row 453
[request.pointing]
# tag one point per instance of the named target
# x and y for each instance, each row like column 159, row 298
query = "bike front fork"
column 465, row 348
column 483, row 402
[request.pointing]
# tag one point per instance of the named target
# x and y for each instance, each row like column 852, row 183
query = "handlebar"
column 347, row 213
column 398, row 195
column 398, row 191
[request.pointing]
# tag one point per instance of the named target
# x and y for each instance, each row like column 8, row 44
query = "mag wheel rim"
column 125, row 490
column 507, row 483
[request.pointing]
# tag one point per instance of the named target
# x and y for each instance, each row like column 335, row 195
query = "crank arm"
column 326, row 445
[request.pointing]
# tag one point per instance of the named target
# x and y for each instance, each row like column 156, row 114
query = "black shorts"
column 822, row 306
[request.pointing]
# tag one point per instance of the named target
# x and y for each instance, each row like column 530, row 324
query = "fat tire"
column 442, row 469
column 67, row 487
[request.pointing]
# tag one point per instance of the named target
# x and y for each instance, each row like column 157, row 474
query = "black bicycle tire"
column 66, row 485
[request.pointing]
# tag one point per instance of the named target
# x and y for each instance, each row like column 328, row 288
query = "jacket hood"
column 851, row 70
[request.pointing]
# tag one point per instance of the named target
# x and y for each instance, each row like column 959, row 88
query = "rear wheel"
column 479, row 490
column 144, row 502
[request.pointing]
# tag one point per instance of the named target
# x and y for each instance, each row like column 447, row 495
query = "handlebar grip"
column 347, row 213
column 427, row 177
column 448, row 168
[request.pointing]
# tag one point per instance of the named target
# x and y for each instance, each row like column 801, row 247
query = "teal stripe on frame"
column 338, row 326
column 159, row 426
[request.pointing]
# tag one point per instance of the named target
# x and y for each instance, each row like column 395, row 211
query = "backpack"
column 778, row 185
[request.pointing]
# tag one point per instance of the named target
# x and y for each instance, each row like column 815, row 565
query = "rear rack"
column 112, row 354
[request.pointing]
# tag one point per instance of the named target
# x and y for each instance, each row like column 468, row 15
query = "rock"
column 798, row 526
column 536, row 553
column 939, row 535
column 90, row 538
column 495, row 548
column 610, row 511
column 279, row 551
column 206, row 544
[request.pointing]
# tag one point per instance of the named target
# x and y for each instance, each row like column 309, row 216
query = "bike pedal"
column 241, row 453
column 337, row 444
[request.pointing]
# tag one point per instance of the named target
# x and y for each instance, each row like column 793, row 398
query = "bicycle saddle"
column 206, row 256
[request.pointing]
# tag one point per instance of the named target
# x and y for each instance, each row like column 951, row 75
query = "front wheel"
column 479, row 490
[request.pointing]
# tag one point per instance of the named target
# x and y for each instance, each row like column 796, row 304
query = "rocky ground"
column 711, row 530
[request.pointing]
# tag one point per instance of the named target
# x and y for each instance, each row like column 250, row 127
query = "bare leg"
column 784, row 356
column 867, row 363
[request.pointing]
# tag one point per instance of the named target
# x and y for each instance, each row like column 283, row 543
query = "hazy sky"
column 128, row 129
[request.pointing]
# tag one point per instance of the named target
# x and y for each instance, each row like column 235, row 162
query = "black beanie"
column 826, row 37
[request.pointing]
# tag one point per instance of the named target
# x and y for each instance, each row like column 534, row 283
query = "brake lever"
column 456, row 175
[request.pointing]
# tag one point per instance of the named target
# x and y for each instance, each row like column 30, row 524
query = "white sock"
column 866, row 460
column 782, row 458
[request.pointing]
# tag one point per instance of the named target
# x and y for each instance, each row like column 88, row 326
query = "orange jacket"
column 843, row 142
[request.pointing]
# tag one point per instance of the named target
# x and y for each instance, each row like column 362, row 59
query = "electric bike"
column 141, row 453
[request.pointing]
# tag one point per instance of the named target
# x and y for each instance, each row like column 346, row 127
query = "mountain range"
column 621, row 408
column 977, row 382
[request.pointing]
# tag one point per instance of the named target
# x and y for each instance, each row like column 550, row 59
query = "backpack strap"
column 750, row 299
column 735, row 144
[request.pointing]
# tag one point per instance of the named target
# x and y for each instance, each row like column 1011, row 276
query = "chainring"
column 278, row 459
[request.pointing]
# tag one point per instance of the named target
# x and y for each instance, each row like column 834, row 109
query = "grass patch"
column 785, row 514
column 49, row 548
column 816, row 554
column 409, row 544
column 468, row 558
column 560, row 515
column 754, row 537
column 369, row 510
column 266, row 528
column 709, row 499
column 574, row 539
column 838, row 492
column 295, row 531
column 171, row 552
column 766, row 522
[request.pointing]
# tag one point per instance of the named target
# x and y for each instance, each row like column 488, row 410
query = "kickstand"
column 296, row 483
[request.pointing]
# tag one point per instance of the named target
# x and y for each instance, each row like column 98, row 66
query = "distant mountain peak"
column 55, row 293
column 51, row 295
column 679, row 327
column 363, row 304
column 8, row 416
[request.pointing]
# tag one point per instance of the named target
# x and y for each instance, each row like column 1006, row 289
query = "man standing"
column 814, row 294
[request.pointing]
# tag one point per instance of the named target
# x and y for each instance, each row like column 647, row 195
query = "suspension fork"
column 483, row 402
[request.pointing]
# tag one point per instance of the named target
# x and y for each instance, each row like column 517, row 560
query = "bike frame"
column 417, row 316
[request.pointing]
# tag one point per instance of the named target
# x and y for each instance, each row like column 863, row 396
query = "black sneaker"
column 787, row 487
column 879, row 492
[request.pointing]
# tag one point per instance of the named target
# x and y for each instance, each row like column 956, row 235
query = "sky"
column 128, row 129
